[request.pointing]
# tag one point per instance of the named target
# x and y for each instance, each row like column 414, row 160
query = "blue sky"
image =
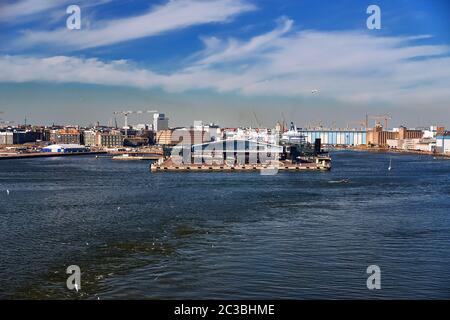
column 222, row 60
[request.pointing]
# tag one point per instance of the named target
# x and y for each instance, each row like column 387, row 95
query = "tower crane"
column 257, row 120
column 361, row 124
column 127, row 113
column 384, row 117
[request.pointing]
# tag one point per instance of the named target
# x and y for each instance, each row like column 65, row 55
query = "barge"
column 244, row 156
column 321, row 164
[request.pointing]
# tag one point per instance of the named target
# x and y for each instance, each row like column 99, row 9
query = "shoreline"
column 49, row 155
column 374, row 150
column 386, row 150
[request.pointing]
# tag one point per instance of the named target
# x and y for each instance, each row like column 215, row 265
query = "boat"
column 136, row 156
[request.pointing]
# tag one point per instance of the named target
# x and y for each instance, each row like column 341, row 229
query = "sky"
column 232, row 62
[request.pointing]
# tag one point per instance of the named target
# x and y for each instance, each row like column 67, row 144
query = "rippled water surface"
column 135, row 234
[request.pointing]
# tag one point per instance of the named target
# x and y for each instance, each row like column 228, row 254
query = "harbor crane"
column 361, row 124
column 384, row 117
column 127, row 113
column 258, row 123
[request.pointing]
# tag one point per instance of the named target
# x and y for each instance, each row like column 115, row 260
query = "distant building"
column 164, row 137
column 335, row 137
column 6, row 138
column 109, row 139
column 19, row 137
column 89, row 138
column 135, row 142
column 160, row 122
column 443, row 142
column 66, row 136
column 415, row 144
column 212, row 131
column 377, row 136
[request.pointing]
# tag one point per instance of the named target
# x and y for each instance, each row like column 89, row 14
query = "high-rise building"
column 160, row 122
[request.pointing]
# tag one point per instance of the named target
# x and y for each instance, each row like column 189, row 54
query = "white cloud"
column 350, row 67
column 173, row 15
column 217, row 51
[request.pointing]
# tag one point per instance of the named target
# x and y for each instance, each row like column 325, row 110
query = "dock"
column 48, row 155
column 136, row 157
column 169, row 166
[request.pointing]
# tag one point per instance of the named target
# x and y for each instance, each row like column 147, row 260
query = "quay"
column 321, row 164
column 439, row 155
column 48, row 155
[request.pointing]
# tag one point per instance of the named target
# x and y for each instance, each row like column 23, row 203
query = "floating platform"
column 168, row 166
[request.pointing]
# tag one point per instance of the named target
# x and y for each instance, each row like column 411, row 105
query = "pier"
column 321, row 164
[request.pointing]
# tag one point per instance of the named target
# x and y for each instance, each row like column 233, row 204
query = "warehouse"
column 65, row 148
column 348, row 137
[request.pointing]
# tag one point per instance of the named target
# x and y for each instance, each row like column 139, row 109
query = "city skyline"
column 225, row 61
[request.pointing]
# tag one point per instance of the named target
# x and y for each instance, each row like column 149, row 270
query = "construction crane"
column 127, row 113
column 284, row 122
column 361, row 124
column 257, row 121
column 316, row 126
column 384, row 117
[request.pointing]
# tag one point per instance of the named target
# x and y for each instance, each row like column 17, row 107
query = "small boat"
column 339, row 181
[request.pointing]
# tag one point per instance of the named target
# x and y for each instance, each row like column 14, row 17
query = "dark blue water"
column 135, row 234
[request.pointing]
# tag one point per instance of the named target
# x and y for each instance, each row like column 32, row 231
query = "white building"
column 261, row 135
column 430, row 133
column 427, row 144
column 65, row 148
column 160, row 122
column 212, row 132
column 443, row 143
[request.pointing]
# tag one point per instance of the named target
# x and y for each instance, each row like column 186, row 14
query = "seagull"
column 313, row 91
column 118, row 208
column 7, row 192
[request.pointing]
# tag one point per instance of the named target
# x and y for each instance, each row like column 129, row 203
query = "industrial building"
column 335, row 137
column 379, row 137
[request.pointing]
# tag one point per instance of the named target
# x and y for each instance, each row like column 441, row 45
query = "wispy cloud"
column 218, row 51
column 173, row 15
column 352, row 67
